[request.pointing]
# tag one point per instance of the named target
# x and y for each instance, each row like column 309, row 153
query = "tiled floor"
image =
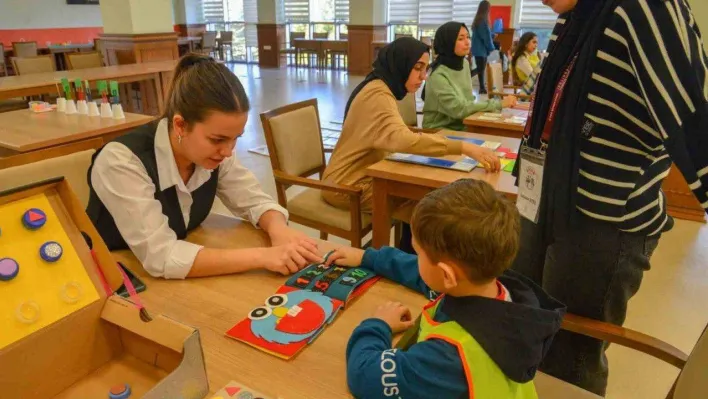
column 671, row 305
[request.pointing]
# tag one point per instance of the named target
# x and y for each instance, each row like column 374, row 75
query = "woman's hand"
column 288, row 258
column 484, row 156
column 281, row 235
column 509, row 102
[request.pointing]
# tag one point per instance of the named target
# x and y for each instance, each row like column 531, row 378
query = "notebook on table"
column 464, row 165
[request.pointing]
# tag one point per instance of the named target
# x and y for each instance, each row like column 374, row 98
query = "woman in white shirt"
column 153, row 185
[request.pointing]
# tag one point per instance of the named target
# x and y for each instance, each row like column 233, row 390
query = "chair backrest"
column 84, row 60
column 295, row 35
column 343, row 36
column 495, row 74
column 74, row 167
column 24, row 49
column 408, row 111
column 320, row 35
column 294, row 138
column 227, row 36
column 692, row 382
column 208, row 39
column 2, row 54
column 36, row 64
column 400, row 35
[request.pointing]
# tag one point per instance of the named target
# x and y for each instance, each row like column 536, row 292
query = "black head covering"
column 393, row 65
column 444, row 46
column 445, row 41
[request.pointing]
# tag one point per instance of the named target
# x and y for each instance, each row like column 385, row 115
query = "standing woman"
column 448, row 92
column 525, row 57
column 482, row 43
column 156, row 183
column 373, row 127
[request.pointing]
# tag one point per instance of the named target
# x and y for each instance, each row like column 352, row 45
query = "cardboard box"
column 68, row 339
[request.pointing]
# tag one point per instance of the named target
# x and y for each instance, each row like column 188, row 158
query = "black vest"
column 141, row 142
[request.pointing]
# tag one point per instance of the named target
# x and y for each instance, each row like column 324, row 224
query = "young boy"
column 488, row 328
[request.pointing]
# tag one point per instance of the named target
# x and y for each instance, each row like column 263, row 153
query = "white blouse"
column 123, row 185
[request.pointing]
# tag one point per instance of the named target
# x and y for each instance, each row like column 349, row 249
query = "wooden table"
column 320, row 46
column 479, row 123
column 215, row 304
column 400, row 180
column 45, row 83
column 24, row 131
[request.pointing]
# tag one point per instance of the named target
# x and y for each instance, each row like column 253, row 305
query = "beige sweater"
column 372, row 130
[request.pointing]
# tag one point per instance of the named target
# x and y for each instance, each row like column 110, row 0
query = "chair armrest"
column 283, row 178
column 625, row 337
column 421, row 130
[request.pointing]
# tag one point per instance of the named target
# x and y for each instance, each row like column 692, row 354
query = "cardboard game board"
column 301, row 309
column 63, row 332
column 466, row 164
column 235, row 390
column 42, row 292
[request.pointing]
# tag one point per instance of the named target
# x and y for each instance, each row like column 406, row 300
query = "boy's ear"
column 449, row 275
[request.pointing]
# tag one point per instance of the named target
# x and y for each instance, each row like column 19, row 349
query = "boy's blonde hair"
column 470, row 224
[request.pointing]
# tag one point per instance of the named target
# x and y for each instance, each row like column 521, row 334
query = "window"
column 316, row 16
column 241, row 18
column 423, row 17
column 538, row 18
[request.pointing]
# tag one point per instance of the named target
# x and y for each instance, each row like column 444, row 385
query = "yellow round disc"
column 28, row 312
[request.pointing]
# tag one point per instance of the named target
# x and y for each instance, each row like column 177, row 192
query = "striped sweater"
column 647, row 107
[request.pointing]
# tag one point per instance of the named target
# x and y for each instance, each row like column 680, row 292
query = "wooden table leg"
column 382, row 214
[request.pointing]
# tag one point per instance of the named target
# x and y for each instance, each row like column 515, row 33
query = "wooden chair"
column 320, row 35
column 24, row 49
column 226, row 39
column 343, row 36
column 496, row 86
column 692, row 381
column 291, row 50
column 400, row 35
column 86, row 60
column 294, row 142
column 208, row 44
column 36, row 64
column 3, row 62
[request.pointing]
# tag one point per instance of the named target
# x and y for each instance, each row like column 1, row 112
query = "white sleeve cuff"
column 181, row 259
column 255, row 213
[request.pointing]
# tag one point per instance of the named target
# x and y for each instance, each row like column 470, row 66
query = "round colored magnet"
column 119, row 392
column 8, row 269
column 27, row 312
column 51, row 251
column 34, row 218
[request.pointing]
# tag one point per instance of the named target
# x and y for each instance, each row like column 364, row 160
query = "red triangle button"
column 231, row 391
column 34, row 216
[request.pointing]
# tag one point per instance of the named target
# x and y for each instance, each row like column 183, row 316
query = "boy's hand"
column 397, row 316
column 346, row 256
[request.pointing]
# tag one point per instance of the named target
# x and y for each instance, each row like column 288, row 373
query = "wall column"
column 271, row 33
column 188, row 17
column 367, row 24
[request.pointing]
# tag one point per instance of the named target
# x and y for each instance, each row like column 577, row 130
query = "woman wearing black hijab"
column 448, row 93
column 373, row 127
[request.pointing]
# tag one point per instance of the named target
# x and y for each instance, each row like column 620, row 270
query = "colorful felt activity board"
column 42, row 279
column 301, row 309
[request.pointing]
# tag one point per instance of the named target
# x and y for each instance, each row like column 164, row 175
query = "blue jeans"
column 594, row 269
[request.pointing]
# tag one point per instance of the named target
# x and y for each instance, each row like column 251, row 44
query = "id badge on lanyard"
column 532, row 161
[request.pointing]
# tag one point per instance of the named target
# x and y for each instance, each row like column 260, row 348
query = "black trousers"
column 594, row 269
column 481, row 72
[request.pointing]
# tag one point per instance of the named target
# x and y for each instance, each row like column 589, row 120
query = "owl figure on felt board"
column 291, row 317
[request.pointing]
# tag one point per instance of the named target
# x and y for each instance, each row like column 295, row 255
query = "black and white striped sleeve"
column 669, row 60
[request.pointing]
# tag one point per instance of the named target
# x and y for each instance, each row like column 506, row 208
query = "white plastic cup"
column 93, row 109
column 82, row 107
column 118, row 111
column 61, row 104
column 106, row 110
column 70, row 107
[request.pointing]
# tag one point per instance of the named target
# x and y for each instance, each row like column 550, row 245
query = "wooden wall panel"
column 131, row 49
column 271, row 38
column 360, row 39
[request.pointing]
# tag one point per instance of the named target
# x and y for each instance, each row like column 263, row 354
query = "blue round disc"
column 8, row 269
column 119, row 392
column 51, row 251
column 34, row 218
